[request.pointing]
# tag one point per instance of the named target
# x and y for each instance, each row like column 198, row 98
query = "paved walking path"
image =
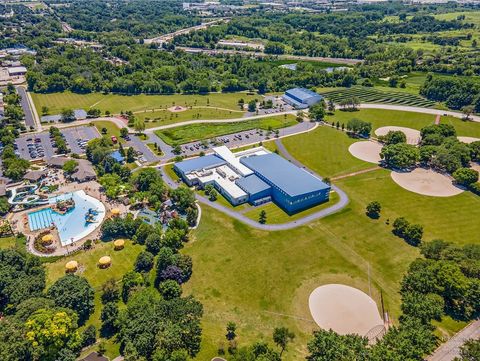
column 407, row 108
column 451, row 349
column 231, row 120
column 356, row 173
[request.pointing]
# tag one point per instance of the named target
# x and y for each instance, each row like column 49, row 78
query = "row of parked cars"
column 35, row 148
column 82, row 143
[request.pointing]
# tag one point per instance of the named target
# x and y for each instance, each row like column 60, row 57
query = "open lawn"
column 277, row 215
column 194, row 132
column 115, row 103
column 262, row 280
column 164, row 117
column 111, row 128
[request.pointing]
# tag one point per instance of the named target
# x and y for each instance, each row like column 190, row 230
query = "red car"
column 114, row 139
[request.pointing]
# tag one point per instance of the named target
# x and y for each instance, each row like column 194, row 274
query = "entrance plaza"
column 255, row 176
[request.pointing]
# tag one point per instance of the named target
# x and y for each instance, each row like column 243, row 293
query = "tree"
column 170, row 289
column 89, row 336
column 139, row 125
column 130, row 282
column 70, row 166
column 110, row 291
column 359, row 127
column 329, row 346
column 317, row 112
column 373, row 209
column 144, row 261
column 109, row 318
column 413, row 234
column 426, row 307
column 465, row 176
column 394, row 137
column 231, row 329
column 331, row 106
column 45, row 110
column 469, row 351
column 183, row 198
column 467, row 110
column 93, row 113
column 282, row 336
column 399, row 226
column 73, row 292
column 124, row 132
column 400, row 155
column 153, row 243
column 4, row 206
column 130, row 155
column 67, row 116
column 14, row 346
column 262, row 218
column 50, row 331
column 252, row 106
column 213, row 195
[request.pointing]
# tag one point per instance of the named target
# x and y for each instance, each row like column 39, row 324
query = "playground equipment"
column 25, row 194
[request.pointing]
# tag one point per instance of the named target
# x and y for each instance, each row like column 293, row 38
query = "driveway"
column 29, row 117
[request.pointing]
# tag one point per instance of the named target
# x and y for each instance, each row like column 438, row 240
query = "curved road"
column 407, row 108
column 272, row 227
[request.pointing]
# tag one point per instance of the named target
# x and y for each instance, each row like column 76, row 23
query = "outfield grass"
column 194, row 132
column 115, row 103
column 276, row 215
column 325, row 149
column 262, row 280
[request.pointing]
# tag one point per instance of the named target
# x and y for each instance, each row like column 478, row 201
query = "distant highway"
column 262, row 55
column 168, row 37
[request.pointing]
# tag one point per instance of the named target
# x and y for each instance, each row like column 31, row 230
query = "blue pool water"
column 71, row 226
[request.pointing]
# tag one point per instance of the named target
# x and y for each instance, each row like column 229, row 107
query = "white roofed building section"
column 233, row 161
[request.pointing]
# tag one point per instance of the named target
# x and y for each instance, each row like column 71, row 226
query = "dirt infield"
column 177, row 109
column 426, row 182
column 367, row 150
column 468, row 140
column 413, row 135
column 344, row 309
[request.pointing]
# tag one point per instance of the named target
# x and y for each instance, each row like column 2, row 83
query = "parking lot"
column 38, row 146
column 78, row 137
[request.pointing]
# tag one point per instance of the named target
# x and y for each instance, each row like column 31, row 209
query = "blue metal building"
column 293, row 189
column 258, row 191
column 301, row 98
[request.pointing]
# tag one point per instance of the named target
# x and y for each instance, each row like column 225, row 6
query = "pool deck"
column 19, row 220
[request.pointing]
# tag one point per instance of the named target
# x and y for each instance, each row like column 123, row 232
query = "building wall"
column 259, row 195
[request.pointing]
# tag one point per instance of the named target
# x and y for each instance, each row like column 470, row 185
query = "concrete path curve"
column 231, row 120
column 271, row 227
column 407, row 108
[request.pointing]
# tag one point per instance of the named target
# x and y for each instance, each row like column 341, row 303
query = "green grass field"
column 194, row 132
column 115, row 103
column 164, row 117
column 277, row 215
column 375, row 95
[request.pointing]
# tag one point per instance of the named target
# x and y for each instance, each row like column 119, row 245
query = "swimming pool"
column 72, row 225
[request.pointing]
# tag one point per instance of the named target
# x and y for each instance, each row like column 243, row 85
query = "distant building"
column 17, row 70
column 255, row 176
column 301, row 98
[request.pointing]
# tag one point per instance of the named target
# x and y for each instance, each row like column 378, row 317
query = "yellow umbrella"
column 104, row 261
column 47, row 238
column 119, row 244
column 115, row 211
column 71, row 266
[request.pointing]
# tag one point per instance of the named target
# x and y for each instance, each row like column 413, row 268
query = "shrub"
column 373, row 209
column 465, row 176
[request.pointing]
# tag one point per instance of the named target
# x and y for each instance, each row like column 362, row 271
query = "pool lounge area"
column 77, row 223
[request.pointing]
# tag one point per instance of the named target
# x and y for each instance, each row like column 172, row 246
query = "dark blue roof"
column 280, row 172
column 208, row 161
column 117, row 156
column 252, row 184
column 302, row 93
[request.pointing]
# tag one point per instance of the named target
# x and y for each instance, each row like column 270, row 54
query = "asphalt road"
column 29, row 119
column 451, row 349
